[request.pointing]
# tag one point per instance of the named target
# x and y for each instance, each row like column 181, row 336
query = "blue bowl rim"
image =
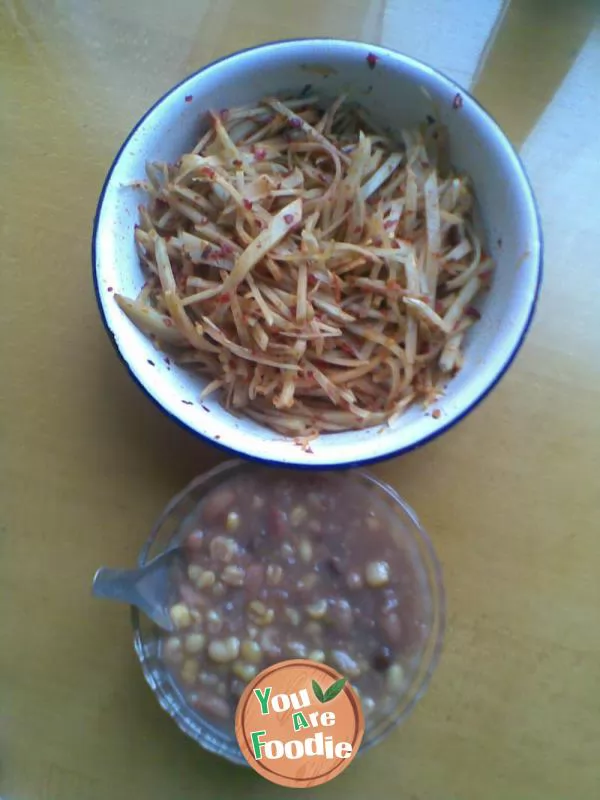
column 382, row 52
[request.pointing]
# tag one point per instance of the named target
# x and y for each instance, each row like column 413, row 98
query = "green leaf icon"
column 329, row 694
column 318, row 692
column 334, row 690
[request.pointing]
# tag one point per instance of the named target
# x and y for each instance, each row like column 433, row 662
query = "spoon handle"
column 116, row 584
column 124, row 585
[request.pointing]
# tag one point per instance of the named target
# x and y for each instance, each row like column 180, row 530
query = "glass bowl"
column 169, row 530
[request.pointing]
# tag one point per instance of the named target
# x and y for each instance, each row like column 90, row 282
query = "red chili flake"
column 436, row 413
column 187, row 402
column 346, row 348
column 457, row 102
column 247, row 204
column 227, row 249
column 260, row 224
column 189, row 98
column 377, row 241
column 372, row 60
column 312, row 280
column 472, row 312
column 358, row 229
column 168, row 322
column 150, row 362
column 439, row 307
column 110, row 289
column 237, row 163
column 208, row 171
column 224, row 298
column 389, row 224
column 288, row 219
column 260, row 154
column 296, row 122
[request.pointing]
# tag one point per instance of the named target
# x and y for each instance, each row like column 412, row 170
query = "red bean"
column 278, row 524
column 213, row 705
column 334, row 565
column 391, row 625
column 190, row 596
column 217, row 504
column 255, row 577
column 340, row 613
column 195, row 540
column 382, row 658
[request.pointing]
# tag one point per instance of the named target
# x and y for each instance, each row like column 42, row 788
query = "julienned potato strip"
column 319, row 274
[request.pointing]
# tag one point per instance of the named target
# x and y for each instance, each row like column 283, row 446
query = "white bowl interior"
column 392, row 91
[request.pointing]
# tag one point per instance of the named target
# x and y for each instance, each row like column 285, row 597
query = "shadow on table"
column 527, row 58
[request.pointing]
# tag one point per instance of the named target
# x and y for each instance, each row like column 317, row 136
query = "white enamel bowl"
column 390, row 87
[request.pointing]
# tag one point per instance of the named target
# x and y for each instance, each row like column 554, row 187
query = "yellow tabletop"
column 510, row 496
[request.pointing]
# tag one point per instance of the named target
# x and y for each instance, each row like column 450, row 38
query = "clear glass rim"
column 224, row 744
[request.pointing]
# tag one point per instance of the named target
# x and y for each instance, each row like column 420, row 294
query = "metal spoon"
column 147, row 587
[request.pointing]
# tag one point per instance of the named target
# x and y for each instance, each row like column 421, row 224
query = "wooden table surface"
column 510, row 496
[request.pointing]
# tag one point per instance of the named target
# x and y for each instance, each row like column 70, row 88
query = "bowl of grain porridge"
column 333, row 567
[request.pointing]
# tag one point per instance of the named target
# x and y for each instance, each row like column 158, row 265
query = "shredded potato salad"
column 318, row 273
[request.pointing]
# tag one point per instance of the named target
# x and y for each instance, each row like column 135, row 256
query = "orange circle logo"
column 299, row 723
